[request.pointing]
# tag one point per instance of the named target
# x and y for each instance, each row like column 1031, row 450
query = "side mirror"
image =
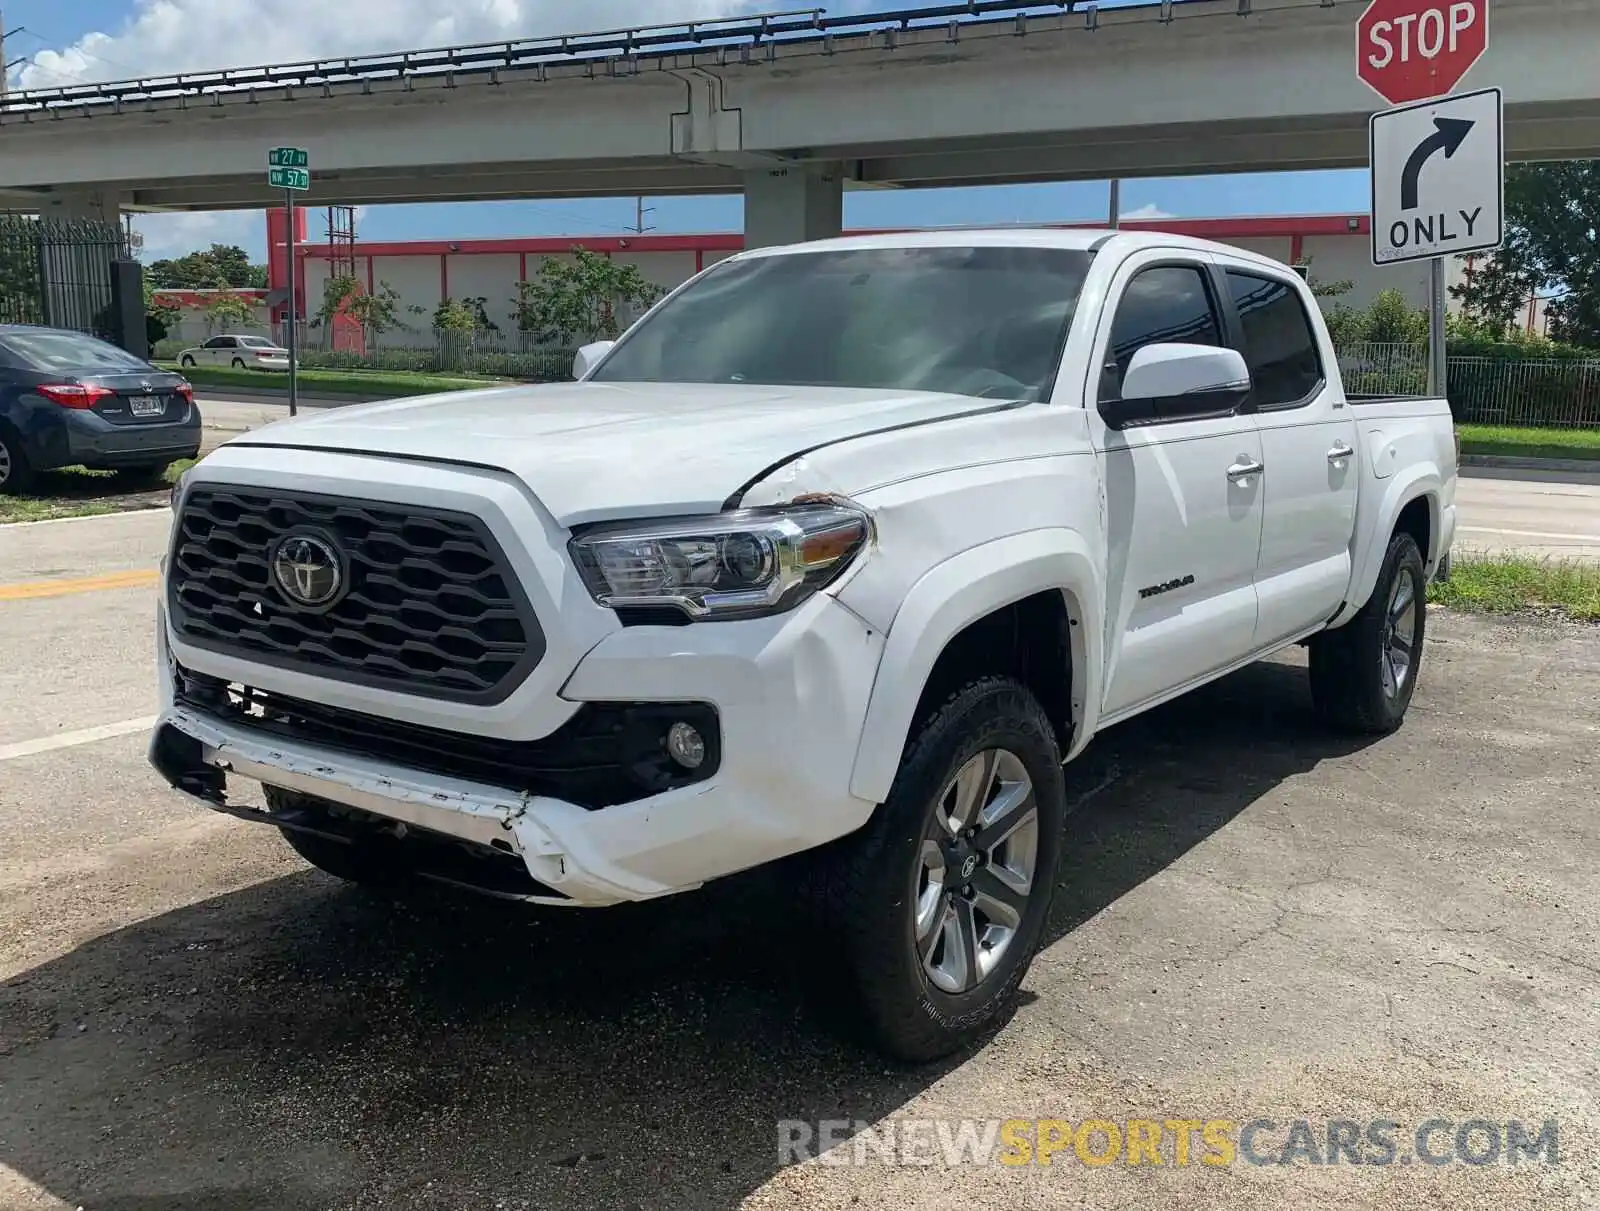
column 589, row 357
column 1178, row 381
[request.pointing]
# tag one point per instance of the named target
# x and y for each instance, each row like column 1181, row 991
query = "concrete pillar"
column 101, row 205
column 792, row 205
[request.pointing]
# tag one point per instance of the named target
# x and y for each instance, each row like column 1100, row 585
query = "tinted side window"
column 216, row 342
column 1280, row 344
column 1162, row 305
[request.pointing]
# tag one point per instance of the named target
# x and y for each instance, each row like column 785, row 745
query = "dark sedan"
column 69, row 400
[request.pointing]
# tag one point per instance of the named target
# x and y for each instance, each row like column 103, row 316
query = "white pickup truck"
column 839, row 555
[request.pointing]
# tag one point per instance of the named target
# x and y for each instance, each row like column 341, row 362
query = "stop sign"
column 1409, row 50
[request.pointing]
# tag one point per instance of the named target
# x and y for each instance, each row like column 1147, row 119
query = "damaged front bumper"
column 790, row 693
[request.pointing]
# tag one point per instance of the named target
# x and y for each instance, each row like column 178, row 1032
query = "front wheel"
column 1364, row 674
column 941, row 901
column 187, row 361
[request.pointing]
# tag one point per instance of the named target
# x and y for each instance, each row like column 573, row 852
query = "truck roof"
column 1084, row 239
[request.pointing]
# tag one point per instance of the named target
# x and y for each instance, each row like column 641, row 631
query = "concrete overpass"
column 788, row 109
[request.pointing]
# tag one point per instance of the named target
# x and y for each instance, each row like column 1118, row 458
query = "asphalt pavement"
column 1256, row 921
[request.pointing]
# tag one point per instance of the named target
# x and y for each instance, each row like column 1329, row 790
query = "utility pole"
column 639, row 211
column 1116, row 204
column 7, row 65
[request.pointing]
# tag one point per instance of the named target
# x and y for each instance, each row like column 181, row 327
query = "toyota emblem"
column 308, row 570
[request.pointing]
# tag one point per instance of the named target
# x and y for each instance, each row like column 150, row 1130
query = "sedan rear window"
column 68, row 353
column 256, row 342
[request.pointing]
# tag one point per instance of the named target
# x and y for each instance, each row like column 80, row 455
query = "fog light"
column 686, row 746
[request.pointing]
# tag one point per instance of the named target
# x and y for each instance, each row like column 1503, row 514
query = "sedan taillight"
column 74, row 395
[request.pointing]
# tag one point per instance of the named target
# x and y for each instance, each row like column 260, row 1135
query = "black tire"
column 16, row 473
column 188, row 361
column 238, row 363
column 868, row 885
column 350, row 861
column 1354, row 683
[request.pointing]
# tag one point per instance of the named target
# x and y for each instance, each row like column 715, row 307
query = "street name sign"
column 288, row 157
column 1438, row 177
column 288, row 178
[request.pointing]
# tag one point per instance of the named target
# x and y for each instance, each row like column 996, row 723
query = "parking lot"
column 1255, row 921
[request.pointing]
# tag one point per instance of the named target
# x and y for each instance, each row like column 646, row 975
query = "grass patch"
column 1507, row 441
column 1521, row 584
column 79, row 492
column 389, row 383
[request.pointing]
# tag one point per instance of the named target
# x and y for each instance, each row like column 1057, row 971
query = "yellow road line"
column 139, row 578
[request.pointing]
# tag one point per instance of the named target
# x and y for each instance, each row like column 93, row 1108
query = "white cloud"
column 160, row 36
column 1149, row 212
column 172, row 235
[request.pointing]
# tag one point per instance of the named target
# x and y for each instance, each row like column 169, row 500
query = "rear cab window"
column 1280, row 341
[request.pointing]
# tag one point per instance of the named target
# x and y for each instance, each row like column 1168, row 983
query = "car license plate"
column 146, row 405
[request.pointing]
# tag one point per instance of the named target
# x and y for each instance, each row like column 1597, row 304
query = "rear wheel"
column 1364, row 674
column 940, row 903
column 16, row 475
column 238, row 363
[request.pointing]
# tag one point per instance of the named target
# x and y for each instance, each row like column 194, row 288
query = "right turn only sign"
column 1438, row 178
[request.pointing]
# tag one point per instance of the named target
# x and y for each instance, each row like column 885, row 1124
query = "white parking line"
column 1531, row 534
column 88, row 735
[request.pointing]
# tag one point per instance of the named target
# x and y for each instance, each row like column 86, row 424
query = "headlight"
column 729, row 565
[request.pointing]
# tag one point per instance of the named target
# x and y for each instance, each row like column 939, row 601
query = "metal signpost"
column 1437, row 161
column 289, row 169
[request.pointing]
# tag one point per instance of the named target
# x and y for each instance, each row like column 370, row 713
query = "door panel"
column 1305, row 426
column 1184, row 537
column 1183, row 534
column 1310, row 516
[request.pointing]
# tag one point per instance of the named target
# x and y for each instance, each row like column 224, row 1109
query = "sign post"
column 1424, row 151
column 1438, row 185
column 289, row 169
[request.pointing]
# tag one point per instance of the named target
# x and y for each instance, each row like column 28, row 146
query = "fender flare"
column 951, row 596
column 1421, row 481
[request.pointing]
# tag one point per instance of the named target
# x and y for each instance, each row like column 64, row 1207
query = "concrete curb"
column 1509, row 462
column 250, row 395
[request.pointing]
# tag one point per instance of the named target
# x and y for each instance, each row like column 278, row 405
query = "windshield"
column 69, row 353
column 984, row 321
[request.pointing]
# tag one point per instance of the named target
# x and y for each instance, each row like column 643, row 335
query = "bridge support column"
column 101, row 205
column 792, row 205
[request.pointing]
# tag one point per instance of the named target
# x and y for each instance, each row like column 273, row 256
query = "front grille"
column 431, row 607
column 608, row 753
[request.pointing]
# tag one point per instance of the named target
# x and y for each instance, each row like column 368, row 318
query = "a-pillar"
column 792, row 205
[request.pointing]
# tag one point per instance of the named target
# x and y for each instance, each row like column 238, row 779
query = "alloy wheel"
column 976, row 873
column 1400, row 634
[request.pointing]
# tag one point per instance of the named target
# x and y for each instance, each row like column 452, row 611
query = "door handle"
column 1244, row 471
column 1339, row 453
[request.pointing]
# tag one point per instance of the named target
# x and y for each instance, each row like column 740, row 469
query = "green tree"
column 230, row 311
column 1552, row 247
column 217, row 268
column 159, row 318
column 578, row 300
column 463, row 315
column 377, row 313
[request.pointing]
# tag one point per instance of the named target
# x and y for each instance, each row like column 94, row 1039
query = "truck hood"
column 592, row 451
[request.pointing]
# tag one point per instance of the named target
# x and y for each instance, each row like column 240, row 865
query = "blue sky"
column 120, row 38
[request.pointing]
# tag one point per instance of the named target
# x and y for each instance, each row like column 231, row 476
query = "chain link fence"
column 1557, row 393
